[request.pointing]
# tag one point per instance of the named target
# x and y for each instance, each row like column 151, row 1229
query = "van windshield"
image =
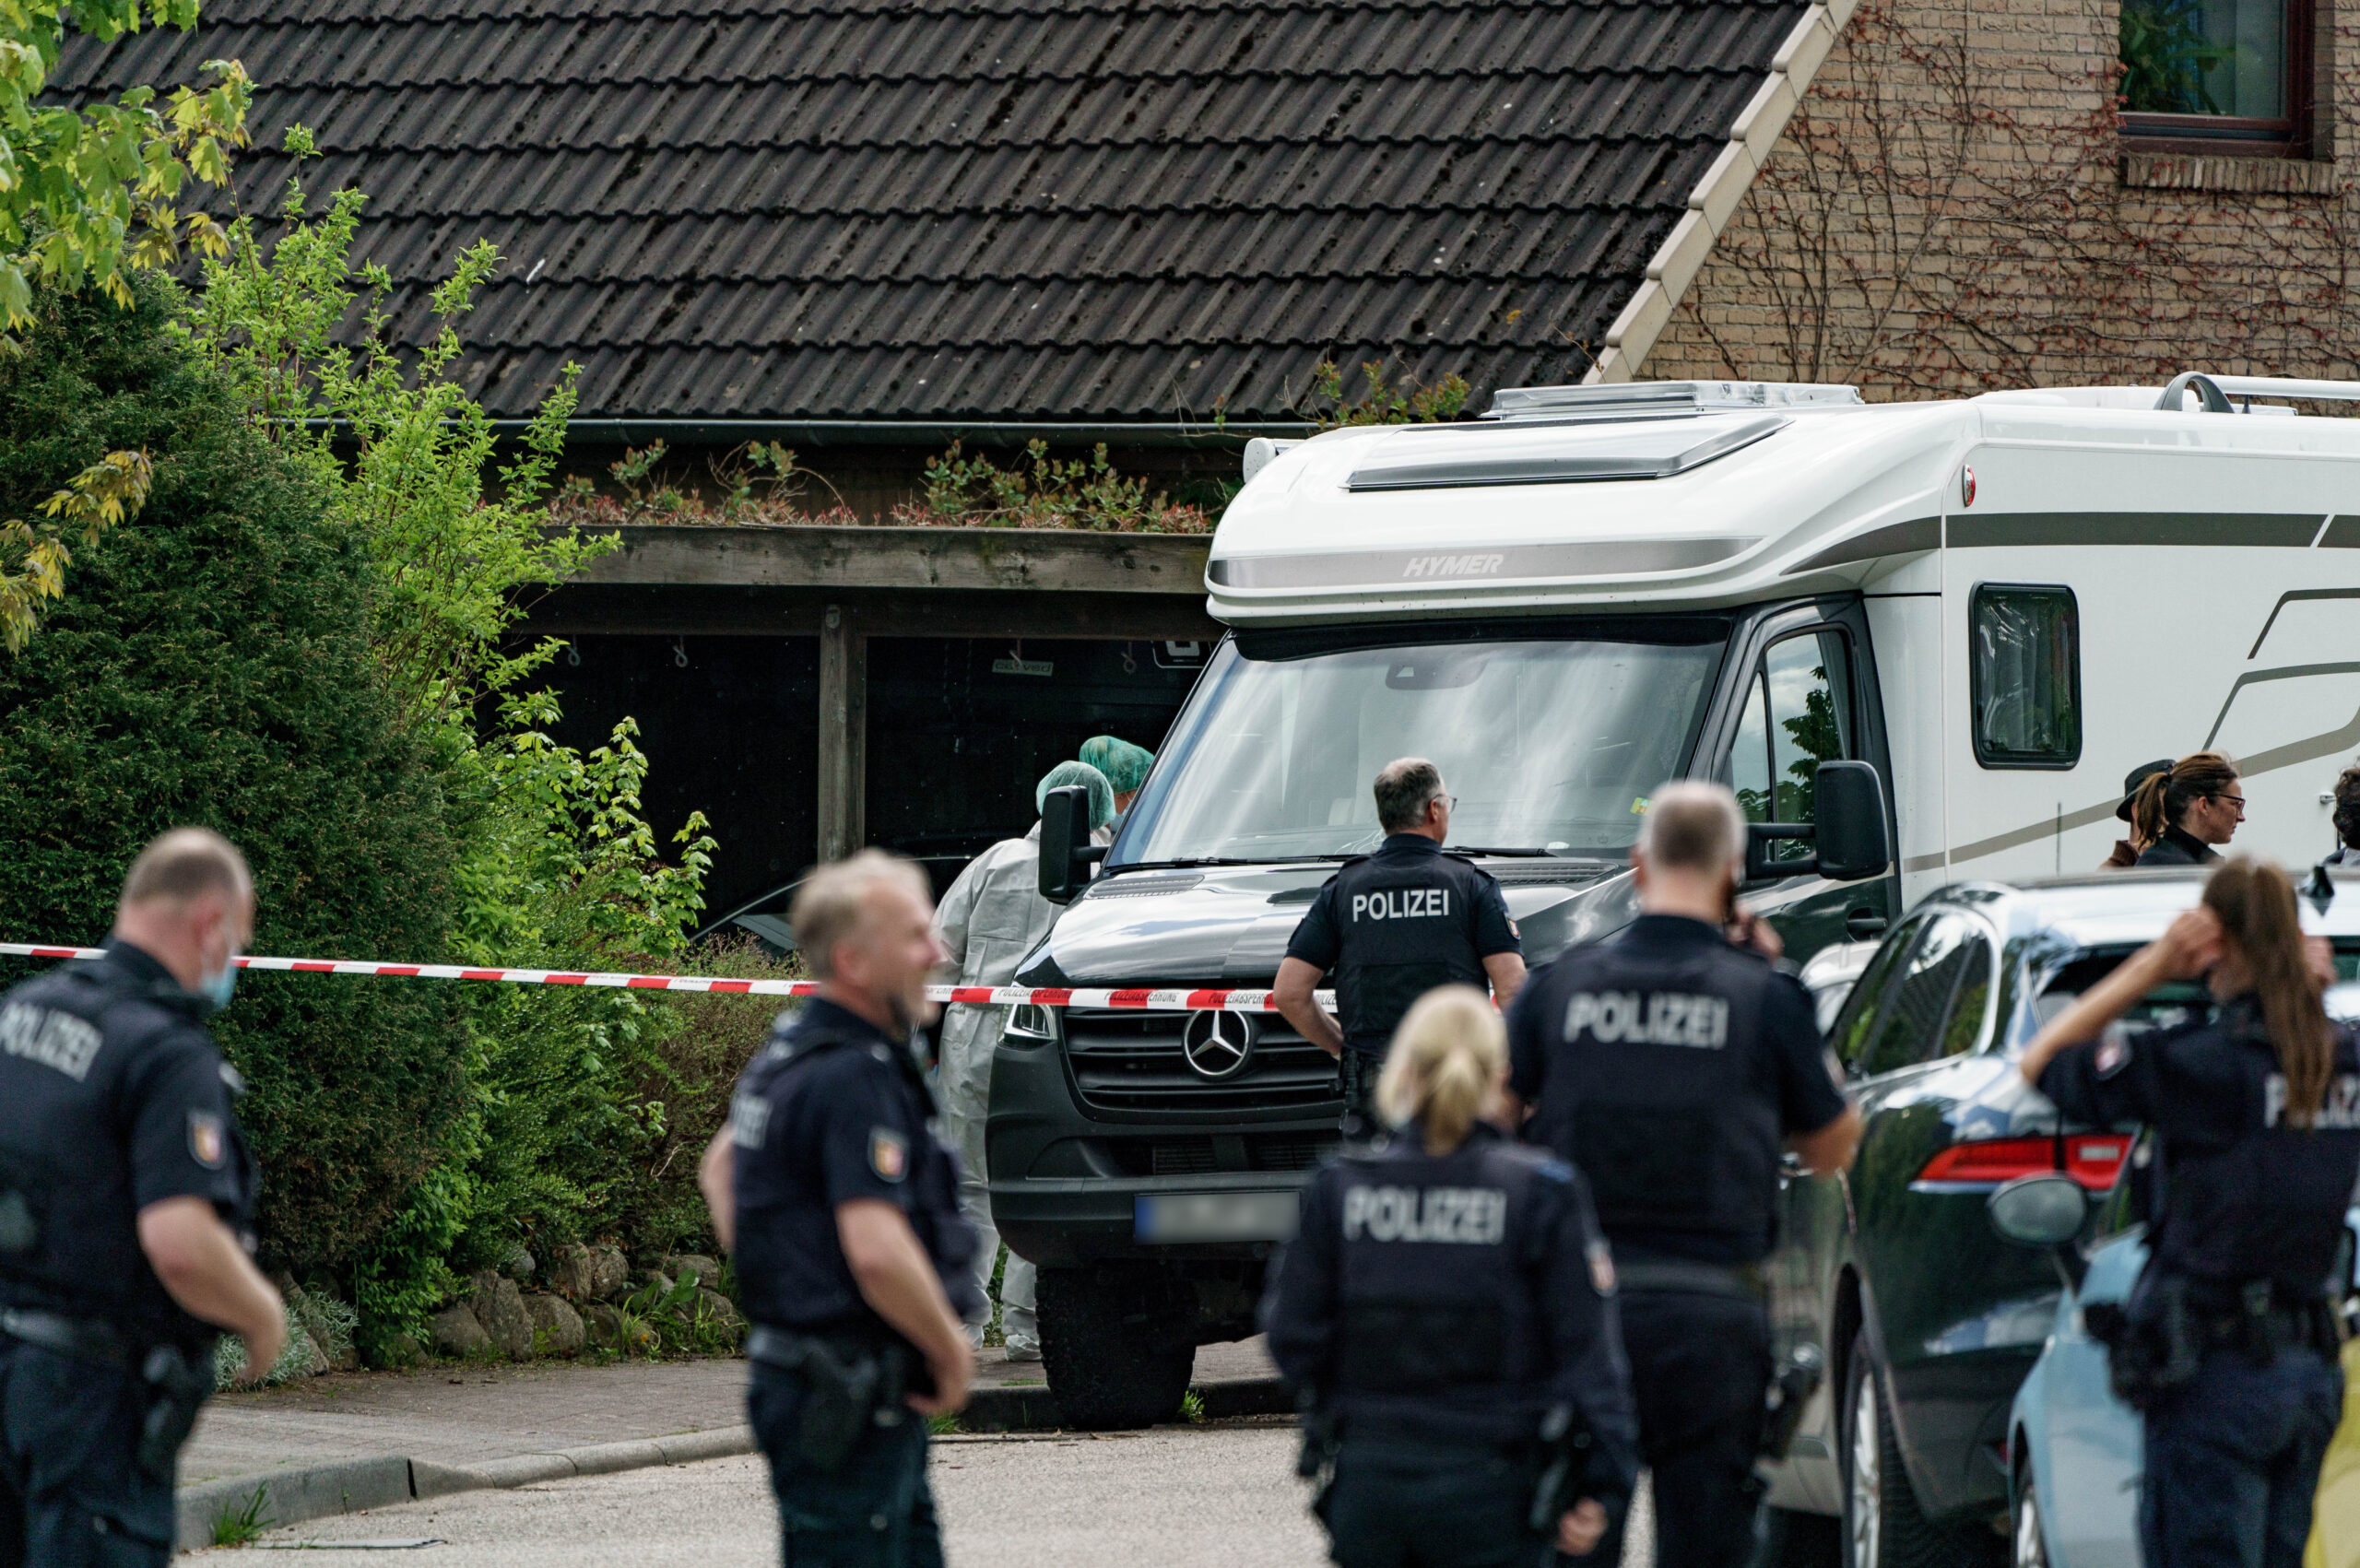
column 1551, row 747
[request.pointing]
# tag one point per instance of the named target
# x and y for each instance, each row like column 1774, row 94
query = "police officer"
column 842, row 1206
column 1446, row 1317
column 127, row 1205
column 1668, row 1064
column 2229, row 1341
column 1391, row 927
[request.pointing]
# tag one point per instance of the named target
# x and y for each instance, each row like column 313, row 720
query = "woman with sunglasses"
column 2181, row 812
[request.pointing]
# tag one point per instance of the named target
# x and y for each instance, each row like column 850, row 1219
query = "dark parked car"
column 1927, row 1320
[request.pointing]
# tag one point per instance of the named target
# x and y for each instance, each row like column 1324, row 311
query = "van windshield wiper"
column 1186, row 861
column 1486, row 849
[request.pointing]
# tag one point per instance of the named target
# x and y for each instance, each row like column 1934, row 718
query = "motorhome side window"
column 2027, row 675
column 1798, row 715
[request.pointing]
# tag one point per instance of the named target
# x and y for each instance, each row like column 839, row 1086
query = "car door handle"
column 1862, row 924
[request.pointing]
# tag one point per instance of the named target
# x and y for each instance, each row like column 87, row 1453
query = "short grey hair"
column 830, row 905
column 1694, row 826
column 1403, row 788
column 185, row 864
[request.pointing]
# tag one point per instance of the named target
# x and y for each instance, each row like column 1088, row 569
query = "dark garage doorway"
column 959, row 731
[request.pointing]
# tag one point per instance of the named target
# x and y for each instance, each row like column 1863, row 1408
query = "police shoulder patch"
column 2114, row 1055
column 1601, row 1267
column 209, row 1140
column 888, row 1153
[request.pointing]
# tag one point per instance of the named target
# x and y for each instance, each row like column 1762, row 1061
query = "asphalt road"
column 1178, row 1497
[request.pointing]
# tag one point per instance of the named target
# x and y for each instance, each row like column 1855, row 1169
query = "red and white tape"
column 961, row 995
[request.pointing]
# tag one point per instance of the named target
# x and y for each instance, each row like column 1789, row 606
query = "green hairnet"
column 1102, row 794
column 1124, row 764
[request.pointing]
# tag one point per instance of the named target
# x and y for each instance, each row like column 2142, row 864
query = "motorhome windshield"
column 1551, row 747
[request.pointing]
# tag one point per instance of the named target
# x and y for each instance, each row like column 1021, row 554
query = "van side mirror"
column 1850, row 842
column 1067, row 852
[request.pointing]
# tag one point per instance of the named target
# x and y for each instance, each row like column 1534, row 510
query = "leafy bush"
column 212, row 665
column 762, row 485
column 1382, row 401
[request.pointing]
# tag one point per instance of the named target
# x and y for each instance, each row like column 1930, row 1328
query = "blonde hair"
column 1694, row 826
column 1446, row 1056
column 830, row 905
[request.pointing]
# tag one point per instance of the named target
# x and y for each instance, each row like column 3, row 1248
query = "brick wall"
column 1952, row 210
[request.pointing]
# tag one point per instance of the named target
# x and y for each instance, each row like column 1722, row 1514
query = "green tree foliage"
column 213, row 665
column 87, row 194
column 555, row 865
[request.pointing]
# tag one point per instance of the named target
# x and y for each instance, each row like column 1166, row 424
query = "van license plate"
column 1215, row 1217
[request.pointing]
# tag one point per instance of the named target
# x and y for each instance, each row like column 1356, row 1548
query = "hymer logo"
column 1452, row 565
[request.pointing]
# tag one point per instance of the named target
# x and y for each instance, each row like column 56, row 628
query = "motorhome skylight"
column 1624, row 399
column 1453, row 456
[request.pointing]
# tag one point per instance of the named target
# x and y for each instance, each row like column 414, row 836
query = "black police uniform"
column 2177, row 846
column 832, row 1110
column 1437, row 1308
column 2253, row 1218
column 1389, row 928
column 111, row 1097
column 1670, row 1066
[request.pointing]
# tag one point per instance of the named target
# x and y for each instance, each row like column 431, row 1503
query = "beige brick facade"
column 1951, row 209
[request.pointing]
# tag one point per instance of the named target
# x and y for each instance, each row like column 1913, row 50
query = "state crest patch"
column 209, row 1141
column 889, row 1154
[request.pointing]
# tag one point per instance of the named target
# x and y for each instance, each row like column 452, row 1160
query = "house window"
column 2230, row 77
column 2025, row 676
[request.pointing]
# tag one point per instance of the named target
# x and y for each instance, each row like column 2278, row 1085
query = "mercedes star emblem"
column 1218, row 1044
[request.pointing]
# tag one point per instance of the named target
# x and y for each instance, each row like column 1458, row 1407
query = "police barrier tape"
column 1143, row 1000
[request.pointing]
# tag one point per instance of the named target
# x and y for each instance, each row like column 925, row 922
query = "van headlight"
column 1031, row 1024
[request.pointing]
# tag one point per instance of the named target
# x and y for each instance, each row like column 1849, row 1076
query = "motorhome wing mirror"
column 1853, row 841
column 2039, row 1211
column 1065, row 850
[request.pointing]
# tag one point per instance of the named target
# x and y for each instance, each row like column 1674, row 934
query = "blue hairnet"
column 1124, row 764
column 1102, row 794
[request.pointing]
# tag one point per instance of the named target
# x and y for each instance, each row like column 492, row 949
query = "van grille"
column 1131, row 1061
column 1198, row 1156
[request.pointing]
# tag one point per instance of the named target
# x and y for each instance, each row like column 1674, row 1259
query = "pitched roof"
column 1126, row 209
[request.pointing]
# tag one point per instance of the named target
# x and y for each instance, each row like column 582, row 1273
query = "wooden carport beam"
column 844, row 736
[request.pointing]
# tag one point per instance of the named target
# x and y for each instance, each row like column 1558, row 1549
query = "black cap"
column 2137, row 776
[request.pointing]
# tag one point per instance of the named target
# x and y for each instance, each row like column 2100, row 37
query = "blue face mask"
column 216, row 988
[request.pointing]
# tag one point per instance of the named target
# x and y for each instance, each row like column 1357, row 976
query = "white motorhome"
column 2000, row 604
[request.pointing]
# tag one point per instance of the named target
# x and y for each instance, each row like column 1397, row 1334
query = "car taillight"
column 2092, row 1159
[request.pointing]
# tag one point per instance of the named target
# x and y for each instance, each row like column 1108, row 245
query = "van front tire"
column 1116, row 1351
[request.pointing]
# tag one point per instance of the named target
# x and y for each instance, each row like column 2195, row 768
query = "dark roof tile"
column 977, row 208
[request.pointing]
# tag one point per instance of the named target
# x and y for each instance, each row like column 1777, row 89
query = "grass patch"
column 236, row 1526
column 1192, row 1407
column 942, row 1426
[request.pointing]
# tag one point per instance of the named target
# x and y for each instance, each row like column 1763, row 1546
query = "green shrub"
column 210, row 664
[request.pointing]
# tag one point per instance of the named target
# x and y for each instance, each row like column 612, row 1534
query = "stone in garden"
column 557, row 1327
column 499, row 1305
column 455, row 1332
column 518, row 1265
column 609, row 1274
column 574, row 1273
column 717, row 1308
column 604, row 1325
column 706, row 1269
column 308, row 1359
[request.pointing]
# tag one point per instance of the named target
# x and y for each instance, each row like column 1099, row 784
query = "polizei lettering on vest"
column 2341, row 1109
column 1472, row 1216
column 1401, row 904
column 1657, row 1017
column 1453, row 565
column 53, row 1038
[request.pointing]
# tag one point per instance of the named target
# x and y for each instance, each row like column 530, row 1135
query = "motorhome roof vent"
column 1553, row 452
column 1640, row 398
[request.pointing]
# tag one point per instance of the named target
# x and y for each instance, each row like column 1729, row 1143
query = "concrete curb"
column 347, row 1486
column 317, row 1491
